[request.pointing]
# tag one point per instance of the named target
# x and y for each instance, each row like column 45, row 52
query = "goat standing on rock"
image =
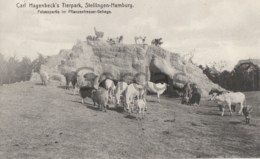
column 138, row 38
column 113, row 41
column 99, row 34
column 157, row 42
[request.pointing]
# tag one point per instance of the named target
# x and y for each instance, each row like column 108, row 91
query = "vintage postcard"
column 129, row 79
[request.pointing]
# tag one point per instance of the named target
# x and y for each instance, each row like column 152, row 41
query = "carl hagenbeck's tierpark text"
column 74, row 8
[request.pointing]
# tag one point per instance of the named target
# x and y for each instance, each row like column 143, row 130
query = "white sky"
column 217, row 29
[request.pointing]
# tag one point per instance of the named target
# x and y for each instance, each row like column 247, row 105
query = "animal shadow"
column 207, row 113
column 130, row 116
column 76, row 101
column 69, row 93
column 173, row 120
column 92, row 107
column 87, row 105
column 235, row 122
column 166, row 133
column 117, row 109
column 62, row 87
column 39, row 84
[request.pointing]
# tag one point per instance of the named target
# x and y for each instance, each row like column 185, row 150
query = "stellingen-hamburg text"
column 107, row 5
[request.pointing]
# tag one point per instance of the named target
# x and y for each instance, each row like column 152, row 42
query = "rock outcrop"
column 128, row 60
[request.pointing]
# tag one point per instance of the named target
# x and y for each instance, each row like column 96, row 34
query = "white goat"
column 228, row 99
column 133, row 91
column 157, row 88
column 44, row 77
column 141, row 106
column 109, row 85
column 140, row 39
column 120, row 90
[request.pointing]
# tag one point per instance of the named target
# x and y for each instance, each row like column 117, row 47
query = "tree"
column 3, row 69
column 12, row 65
column 14, row 70
column 25, row 69
column 219, row 65
column 36, row 64
column 225, row 80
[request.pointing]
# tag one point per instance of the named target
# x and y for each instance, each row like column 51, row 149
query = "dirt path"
column 49, row 122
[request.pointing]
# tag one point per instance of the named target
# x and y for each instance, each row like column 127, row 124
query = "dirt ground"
column 50, row 122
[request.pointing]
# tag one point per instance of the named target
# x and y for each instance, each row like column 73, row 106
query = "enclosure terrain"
column 50, row 122
column 99, row 57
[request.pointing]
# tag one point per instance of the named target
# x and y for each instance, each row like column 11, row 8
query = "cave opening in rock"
column 157, row 76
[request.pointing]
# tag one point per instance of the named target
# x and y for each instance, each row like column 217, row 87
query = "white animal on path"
column 120, row 90
column 141, row 106
column 109, row 85
column 133, row 90
column 228, row 99
column 158, row 88
column 44, row 77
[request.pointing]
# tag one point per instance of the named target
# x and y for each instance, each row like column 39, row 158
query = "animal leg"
column 117, row 100
column 229, row 107
column 105, row 108
column 131, row 108
column 158, row 96
column 75, row 89
column 67, row 85
column 241, row 108
column 139, row 113
column 126, row 106
column 82, row 101
column 94, row 102
column 143, row 113
column 223, row 109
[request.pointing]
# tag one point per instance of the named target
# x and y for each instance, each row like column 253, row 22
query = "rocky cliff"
column 119, row 59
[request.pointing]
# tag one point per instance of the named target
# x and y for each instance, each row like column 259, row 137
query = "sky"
column 214, row 30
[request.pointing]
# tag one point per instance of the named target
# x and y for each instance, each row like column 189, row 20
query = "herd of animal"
column 112, row 41
column 132, row 96
column 129, row 96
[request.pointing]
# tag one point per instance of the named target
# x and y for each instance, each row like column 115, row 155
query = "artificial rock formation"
column 122, row 60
